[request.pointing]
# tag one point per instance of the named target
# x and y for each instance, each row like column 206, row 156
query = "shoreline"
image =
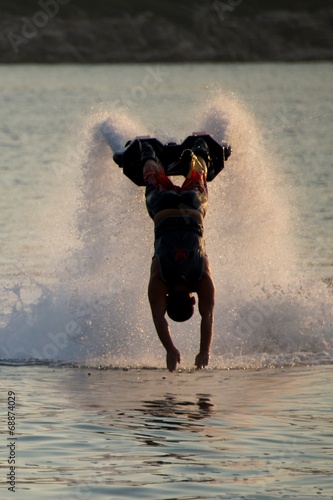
column 266, row 36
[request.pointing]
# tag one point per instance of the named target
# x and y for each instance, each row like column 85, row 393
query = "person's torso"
column 180, row 250
column 157, row 201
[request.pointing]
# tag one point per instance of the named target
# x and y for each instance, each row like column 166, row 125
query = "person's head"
column 180, row 305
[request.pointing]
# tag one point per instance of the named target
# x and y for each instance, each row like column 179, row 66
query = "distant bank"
column 212, row 31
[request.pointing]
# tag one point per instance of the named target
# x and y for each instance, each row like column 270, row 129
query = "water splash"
column 97, row 312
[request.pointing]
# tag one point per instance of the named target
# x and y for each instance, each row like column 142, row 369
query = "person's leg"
column 152, row 167
column 199, row 163
column 153, row 171
column 201, row 151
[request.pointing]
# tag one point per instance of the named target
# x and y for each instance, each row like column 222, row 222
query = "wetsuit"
column 179, row 244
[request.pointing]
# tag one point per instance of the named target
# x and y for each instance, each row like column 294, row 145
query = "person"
column 180, row 265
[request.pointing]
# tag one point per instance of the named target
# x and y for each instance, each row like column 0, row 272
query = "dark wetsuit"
column 179, row 244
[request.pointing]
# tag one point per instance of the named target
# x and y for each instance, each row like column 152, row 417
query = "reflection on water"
column 172, row 414
column 114, row 434
column 170, row 407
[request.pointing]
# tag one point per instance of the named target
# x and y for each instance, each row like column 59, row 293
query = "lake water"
column 97, row 414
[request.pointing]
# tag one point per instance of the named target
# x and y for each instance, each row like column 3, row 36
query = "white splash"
column 96, row 312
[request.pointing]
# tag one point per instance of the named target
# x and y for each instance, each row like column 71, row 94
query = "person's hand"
column 202, row 360
column 172, row 358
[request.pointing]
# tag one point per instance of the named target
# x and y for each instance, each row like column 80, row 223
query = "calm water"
column 148, row 434
column 97, row 414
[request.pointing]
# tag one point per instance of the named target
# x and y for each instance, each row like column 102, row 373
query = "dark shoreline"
column 147, row 37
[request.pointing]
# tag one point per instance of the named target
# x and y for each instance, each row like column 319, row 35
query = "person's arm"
column 206, row 295
column 157, row 299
